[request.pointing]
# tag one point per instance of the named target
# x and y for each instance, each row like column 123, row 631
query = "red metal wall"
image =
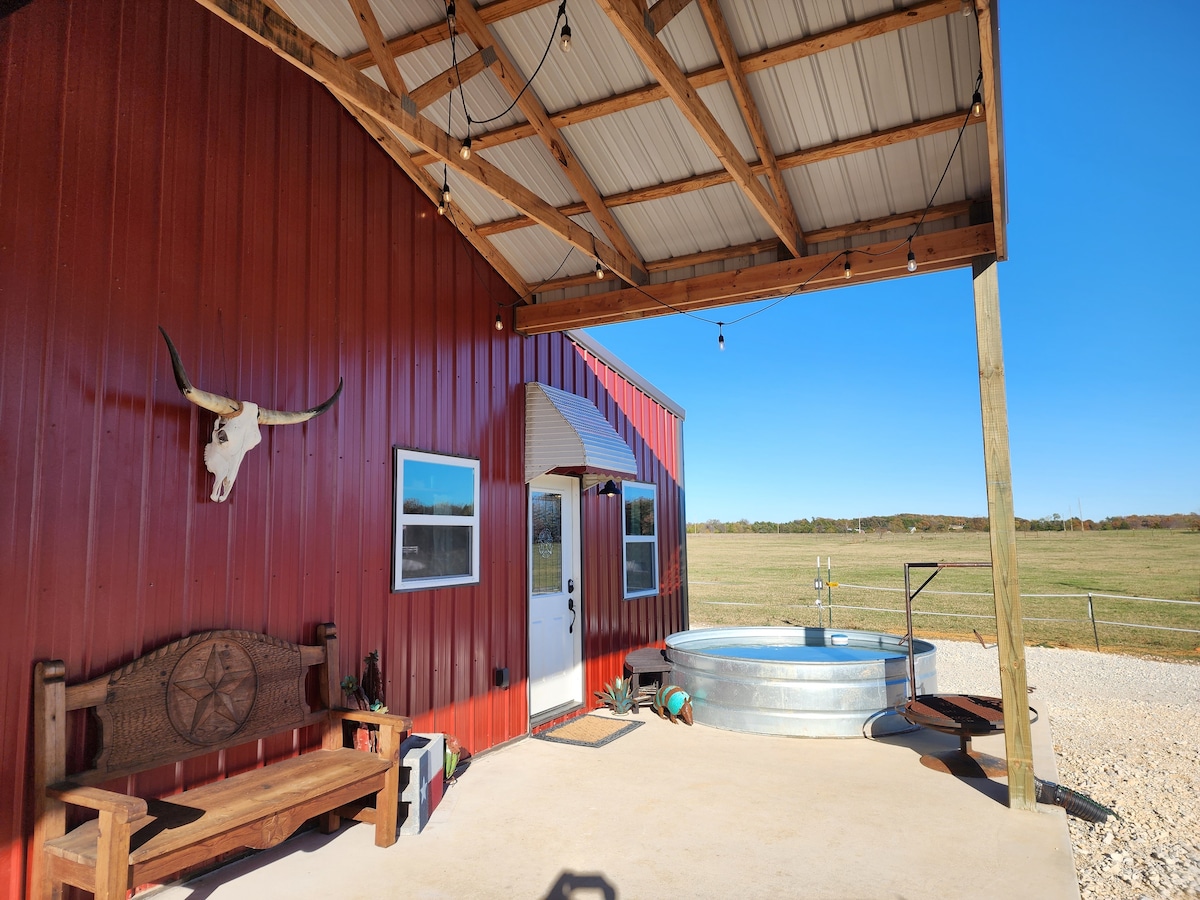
column 156, row 167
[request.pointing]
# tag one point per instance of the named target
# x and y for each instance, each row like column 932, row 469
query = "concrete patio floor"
column 668, row 811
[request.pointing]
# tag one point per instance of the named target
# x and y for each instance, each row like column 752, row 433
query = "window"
column 641, row 539
column 437, row 521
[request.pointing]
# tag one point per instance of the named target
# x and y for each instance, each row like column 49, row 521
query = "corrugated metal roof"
column 910, row 73
column 566, row 431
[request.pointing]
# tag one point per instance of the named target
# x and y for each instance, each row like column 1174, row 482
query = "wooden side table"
column 651, row 661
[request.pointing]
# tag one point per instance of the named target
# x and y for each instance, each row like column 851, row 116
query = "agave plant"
column 616, row 695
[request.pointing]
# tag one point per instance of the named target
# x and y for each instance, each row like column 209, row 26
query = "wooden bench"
column 210, row 691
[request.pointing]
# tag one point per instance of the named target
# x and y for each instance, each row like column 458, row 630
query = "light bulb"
column 977, row 105
column 564, row 38
column 441, row 209
column 721, row 342
column 847, row 269
column 445, row 193
column 912, row 262
column 451, row 18
column 599, row 271
column 465, row 150
column 967, row 8
column 499, row 323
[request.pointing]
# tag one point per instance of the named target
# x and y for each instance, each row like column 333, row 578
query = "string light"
column 912, row 260
column 499, row 323
column 451, row 18
column 564, row 38
column 977, row 105
column 465, row 150
column 599, row 271
column 847, row 269
column 721, row 336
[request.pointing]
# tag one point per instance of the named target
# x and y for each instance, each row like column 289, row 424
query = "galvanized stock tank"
column 802, row 682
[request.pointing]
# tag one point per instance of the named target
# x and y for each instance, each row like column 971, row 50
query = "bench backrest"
column 209, row 691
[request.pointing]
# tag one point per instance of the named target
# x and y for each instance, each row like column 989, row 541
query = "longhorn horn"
column 222, row 406
column 277, row 417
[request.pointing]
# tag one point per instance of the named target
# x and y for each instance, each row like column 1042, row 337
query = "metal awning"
column 565, row 432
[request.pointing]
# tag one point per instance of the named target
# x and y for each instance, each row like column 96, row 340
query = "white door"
column 555, row 617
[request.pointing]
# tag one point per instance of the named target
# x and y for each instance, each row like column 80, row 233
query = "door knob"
column 570, row 585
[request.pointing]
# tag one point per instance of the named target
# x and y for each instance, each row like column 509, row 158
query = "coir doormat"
column 588, row 731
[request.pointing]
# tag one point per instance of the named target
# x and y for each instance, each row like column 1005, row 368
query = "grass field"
column 767, row 579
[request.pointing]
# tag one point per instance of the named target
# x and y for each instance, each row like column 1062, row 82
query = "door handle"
column 571, row 607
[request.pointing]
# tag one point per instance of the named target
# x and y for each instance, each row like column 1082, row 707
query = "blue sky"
column 865, row 400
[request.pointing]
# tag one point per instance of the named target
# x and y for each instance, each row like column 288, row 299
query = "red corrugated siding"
column 156, row 167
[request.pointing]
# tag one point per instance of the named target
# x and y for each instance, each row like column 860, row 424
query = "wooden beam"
column 435, row 32
column 674, row 262
column 989, row 54
column 303, row 51
column 630, row 23
column 369, row 26
column 752, row 62
column 444, row 82
column 1002, row 534
column 934, row 252
column 513, row 81
column 872, row 141
column 719, row 32
column 885, row 223
column 662, row 12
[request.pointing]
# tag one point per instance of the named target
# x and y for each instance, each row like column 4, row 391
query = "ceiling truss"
column 766, row 268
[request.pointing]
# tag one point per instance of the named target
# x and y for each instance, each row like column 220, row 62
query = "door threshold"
column 553, row 713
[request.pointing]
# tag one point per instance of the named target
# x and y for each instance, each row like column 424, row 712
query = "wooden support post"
column 1010, row 632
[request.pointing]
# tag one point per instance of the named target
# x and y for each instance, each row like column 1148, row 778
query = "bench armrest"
column 122, row 806
column 372, row 718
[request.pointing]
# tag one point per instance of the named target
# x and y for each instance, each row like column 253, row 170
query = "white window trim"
column 401, row 518
column 626, row 539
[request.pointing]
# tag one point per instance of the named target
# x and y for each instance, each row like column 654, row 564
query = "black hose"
column 1076, row 804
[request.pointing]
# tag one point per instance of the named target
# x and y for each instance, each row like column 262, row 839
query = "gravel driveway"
column 1126, row 733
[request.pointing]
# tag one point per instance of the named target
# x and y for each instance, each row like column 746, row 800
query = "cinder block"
column 423, row 761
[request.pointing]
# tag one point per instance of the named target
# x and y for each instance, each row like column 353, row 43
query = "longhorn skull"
column 235, row 432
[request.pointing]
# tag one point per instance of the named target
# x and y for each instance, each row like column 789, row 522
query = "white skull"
column 232, row 439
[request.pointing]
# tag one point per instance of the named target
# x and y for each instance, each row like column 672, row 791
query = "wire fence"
column 827, row 605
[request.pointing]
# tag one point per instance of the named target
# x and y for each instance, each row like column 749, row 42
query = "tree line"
column 912, row 523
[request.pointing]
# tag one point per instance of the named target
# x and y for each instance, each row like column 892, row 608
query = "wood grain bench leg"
column 329, row 822
column 112, row 857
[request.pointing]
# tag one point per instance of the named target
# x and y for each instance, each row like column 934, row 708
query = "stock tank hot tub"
column 801, row 682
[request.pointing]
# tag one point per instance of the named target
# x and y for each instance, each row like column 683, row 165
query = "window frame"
column 627, row 538
column 400, row 584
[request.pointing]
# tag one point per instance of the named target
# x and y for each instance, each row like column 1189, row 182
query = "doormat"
column 588, row 731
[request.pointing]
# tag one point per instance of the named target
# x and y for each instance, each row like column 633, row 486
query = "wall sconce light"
column 609, row 489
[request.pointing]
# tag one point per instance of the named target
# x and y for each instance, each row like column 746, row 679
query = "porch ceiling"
column 701, row 153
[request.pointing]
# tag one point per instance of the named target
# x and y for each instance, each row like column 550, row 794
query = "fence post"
column 1092, row 616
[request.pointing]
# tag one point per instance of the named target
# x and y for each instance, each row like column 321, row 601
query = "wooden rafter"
column 444, row 82
column 662, row 12
column 514, row 82
column 369, row 26
column 436, row 32
column 872, row 141
column 630, row 23
column 752, row 62
column 718, row 30
column 269, row 29
column 935, row 252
